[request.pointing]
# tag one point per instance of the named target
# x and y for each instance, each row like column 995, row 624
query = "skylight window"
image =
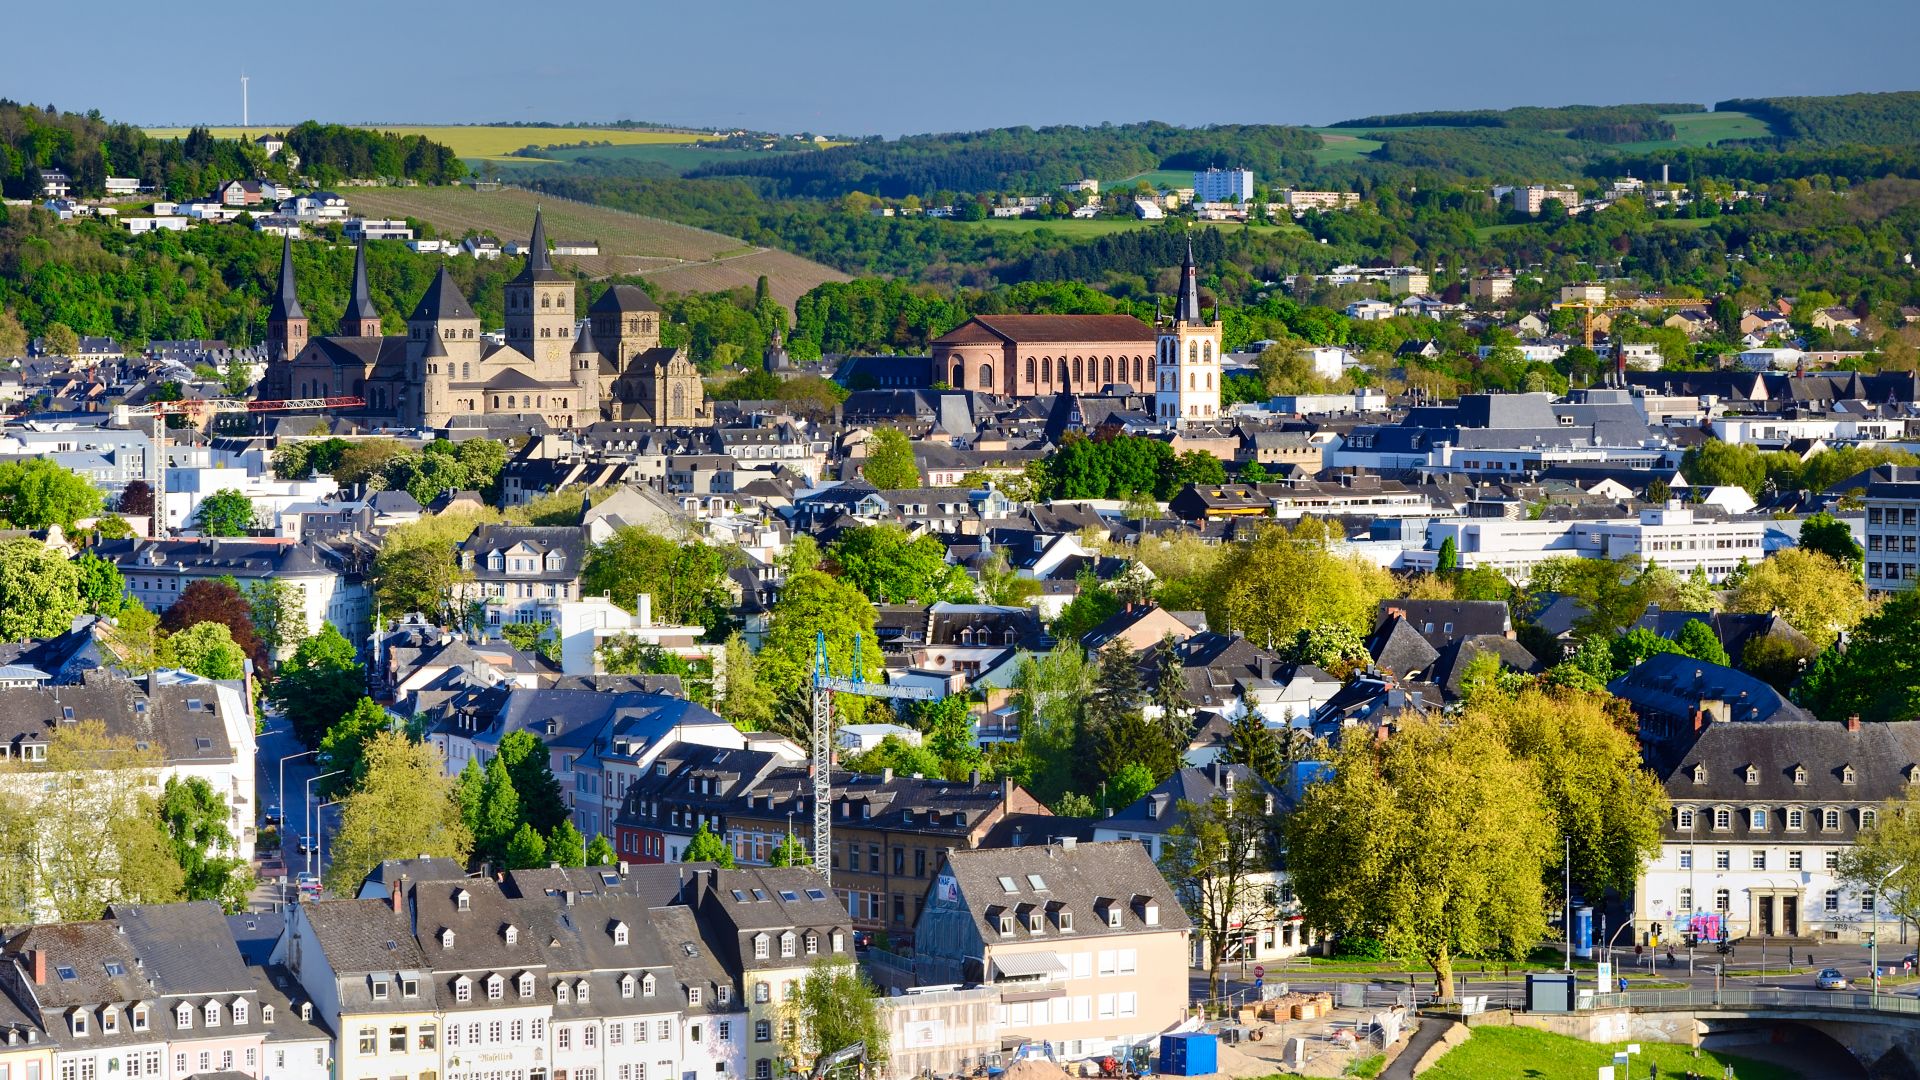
column 789, row 895
column 816, row 894
column 1007, row 885
column 1037, row 882
column 66, row 973
column 115, row 968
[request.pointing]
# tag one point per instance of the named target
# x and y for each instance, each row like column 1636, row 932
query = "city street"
column 278, row 745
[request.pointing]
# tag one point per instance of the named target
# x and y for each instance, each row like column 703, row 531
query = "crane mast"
column 825, row 685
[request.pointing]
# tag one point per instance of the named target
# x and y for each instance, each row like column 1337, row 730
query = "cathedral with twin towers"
column 550, row 363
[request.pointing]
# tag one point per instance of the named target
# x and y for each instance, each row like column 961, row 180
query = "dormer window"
column 556, row 561
column 786, row 944
column 512, row 934
column 646, row 985
column 446, row 937
column 561, row 993
column 580, row 991
column 496, row 988
column 110, row 1021
column 761, row 946
column 306, row 1012
column 240, row 1012
column 723, row 994
column 1699, row 774
column 1752, row 774
column 266, row 1015
column 1830, row 819
column 619, row 933
column 140, row 1017
column 213, row 1014
column 379, row 989
column 1869, row 818
column 693, row 995
column 526, row 986
column 626, row 986
column 1800, row 775
column 813, row 943
column 1913, row 774
column 183, row 1017
column 1757, row 818
column 463, row 989
column 1006, row 925
column 463, row 900
column 496, row 561
column 79, row 1021
column 1722, row 818
column 1683, row 817
column 1846, row 774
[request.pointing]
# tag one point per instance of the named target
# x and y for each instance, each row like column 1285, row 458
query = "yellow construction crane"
column 1591, row 306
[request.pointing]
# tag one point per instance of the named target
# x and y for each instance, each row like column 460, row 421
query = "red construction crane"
column 198, row 410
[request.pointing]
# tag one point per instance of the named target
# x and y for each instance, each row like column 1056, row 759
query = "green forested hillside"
column 1847, row 119
column 1534, row 117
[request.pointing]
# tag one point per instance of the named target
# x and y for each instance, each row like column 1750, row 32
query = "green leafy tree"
column 1815, row 594
column 530, row 764
column 39, row 591
column 195, row 818
column 1449, row 558
column 835, row 1008
column 1698, row 640
column 319, row 685
column 38, row 492
column 686, row 580
column 418, row 568
column 206, row 649
column 566, row 846
column 405, row 807
column 743, row 698
column 499, row 816
column 277, row 610
column 1720, row 464
column 469, row 790
column 1334, row 648
column 790, row 851
column 813, row 603
column 1885, row 857
column 705, row 847
column 216, row 601
column 344, row 747
column 1435, row 842
column 1219, row 856
column 1615, row 593
column 889, row 463
column 525, row 850
column 1831, row 537
column 947, row 725
column 525, row 636
column 891, row 567
column 1877, row 676
column 1256, row 587
column 1117, row 730
column 1636, row 645
column 1170, row 694
column 601, row 853
column 103, row 590
column 225, row 513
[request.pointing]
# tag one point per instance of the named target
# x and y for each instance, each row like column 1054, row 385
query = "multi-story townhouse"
column 714, row 1039
column 487, row 962
column 358, row 963
column 619, row 1012
column 1079, row 938
column 330, row 583
column 25, row 1051
column 297, row 1047
column 689, row 785
column 1893, row 528
column 1761, row 816
column 153, row 992
column 522, row 573
column 769, row 926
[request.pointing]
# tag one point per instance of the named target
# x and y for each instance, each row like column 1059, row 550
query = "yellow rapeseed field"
column 480, row 141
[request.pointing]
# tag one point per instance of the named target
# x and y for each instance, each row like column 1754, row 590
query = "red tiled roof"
column 1039, row 328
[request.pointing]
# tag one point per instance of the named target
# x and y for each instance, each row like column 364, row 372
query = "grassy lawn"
column 1505, row 1053
column 480, row 141
column 1705, row 129
column 1156, row 179
column 1343, row 145
column 681, row 157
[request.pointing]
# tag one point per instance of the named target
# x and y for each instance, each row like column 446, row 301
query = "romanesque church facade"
column 549, row 363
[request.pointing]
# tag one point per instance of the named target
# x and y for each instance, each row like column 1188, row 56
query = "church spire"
column 584, row 345
column 361, row 319
column 1188, row 309
column 537, row 256
column 286, row 302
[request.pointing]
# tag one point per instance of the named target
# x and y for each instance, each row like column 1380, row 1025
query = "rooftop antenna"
column 244, row 118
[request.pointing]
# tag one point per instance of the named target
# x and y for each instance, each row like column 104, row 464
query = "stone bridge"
column 1881, row 1032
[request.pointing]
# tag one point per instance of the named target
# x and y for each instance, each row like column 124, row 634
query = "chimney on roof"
column 886, row 777
column 38, row 958
column 398, row 896
column 644, row 611
column 1853, row 722
column 973, row 778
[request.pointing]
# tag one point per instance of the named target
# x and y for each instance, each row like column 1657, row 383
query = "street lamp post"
column 1873, row 941
column 280, row 792
column 307, row 806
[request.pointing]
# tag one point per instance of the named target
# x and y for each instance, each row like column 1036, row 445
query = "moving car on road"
column 1830, row 979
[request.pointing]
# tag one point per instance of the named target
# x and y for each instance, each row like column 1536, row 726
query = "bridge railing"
column 1759, row 999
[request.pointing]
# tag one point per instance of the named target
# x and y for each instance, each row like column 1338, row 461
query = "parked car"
column 1830, row 979
column 307, row 846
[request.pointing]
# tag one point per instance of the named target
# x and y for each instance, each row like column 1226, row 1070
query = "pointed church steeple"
column 286, row 302
column 286, row 321
column 584, row 344
column 1188, row 309
column 537, row 258
column 360, row 319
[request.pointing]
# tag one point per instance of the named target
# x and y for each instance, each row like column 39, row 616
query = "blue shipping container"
column 1193, row 1054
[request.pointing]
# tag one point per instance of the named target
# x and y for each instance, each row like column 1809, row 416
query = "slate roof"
column 442, row 300
column 155, row 714
column 1883, row 758
column 1442, row 621
column 1674, row 685
column 363, row 936
column 623, row 298
column 1159, row 809
column 539, row 265
column 1078, row 877
column 1400, row 649
column 359, row 299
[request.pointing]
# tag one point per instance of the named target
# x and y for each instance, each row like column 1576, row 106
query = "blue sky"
column 870, row 66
